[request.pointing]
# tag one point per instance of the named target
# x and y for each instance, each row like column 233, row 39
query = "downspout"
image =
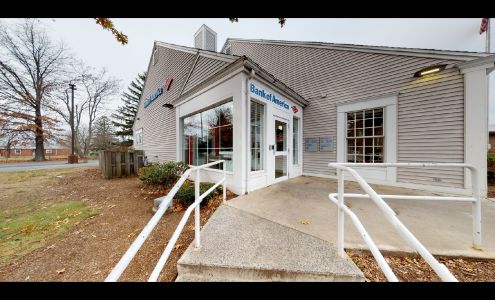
column 248, row 133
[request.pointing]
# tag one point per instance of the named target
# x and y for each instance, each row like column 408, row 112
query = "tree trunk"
column 39, row 153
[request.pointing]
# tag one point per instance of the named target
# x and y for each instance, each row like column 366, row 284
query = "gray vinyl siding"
column 158, row 122
column 430, row 110
column 204, row 68
column 431, row 128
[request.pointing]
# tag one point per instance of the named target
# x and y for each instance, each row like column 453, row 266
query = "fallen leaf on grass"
column 112, row 206
column 178, row 246
column 133, row 233
column 29, row 228
column 93, row 235
column 61, row 271
column 50, row 247
column 304, row 222
column 97, row 272
column 27, row 278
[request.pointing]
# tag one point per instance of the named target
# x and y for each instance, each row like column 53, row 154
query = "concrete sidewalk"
column 239, row 246
column 444, row 227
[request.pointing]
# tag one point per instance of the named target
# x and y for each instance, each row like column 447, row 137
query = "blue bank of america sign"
column 158, row 92
column 268, row 96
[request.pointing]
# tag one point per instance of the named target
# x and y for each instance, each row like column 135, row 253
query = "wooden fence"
column 115, row 163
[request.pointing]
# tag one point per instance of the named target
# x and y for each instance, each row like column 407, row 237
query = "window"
column 17, row 151
column 228, row 49
column 295, row 141
column 365, row 136
column 139, row 137
column 155, row 56
column 48, row 151
column 257, row 135
column 208, row 137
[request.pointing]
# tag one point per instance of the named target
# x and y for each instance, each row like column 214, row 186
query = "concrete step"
column 239, row 246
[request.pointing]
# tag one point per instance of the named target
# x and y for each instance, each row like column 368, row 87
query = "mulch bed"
column 90, row 250
column 414, row 268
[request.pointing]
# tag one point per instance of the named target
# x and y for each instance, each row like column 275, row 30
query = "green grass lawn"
column 23, row 233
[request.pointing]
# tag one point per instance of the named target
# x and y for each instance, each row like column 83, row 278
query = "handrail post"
column 340, row 228
column 224, row 187
column 197, row 211
column 476, row 208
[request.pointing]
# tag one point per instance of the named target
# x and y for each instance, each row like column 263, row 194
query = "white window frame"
column 48, row 151
column 298, row 141
column 17, row 151
column 264, row 147
column 139, row 136
column 389, row 104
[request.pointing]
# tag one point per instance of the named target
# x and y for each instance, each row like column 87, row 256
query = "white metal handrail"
column 391, row 217
column 138, row 242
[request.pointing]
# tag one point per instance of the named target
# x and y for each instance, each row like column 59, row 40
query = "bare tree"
column 31, row 68
column 82, row 141
column 63, row 106
column 98, row 88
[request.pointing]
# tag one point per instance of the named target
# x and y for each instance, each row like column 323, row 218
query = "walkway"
column 302, row 203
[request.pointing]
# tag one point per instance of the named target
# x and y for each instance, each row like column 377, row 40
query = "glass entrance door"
column 280, row 150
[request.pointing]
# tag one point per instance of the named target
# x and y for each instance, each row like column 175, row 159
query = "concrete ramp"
column 239, row 246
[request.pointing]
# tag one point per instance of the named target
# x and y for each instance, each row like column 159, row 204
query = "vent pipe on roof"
column 205, row 38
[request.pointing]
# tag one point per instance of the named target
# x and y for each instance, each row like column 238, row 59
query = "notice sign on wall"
column 311, row 144
column 326, row 144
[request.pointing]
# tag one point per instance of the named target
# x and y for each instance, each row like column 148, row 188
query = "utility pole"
column 72, row 158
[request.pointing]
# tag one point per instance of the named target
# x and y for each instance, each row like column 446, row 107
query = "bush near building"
column 186, row 194
column 165, row 174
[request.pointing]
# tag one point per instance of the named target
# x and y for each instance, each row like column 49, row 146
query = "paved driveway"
column 444, row 227
column 26, row 166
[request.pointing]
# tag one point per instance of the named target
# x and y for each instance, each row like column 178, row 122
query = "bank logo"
column 294, row 109
column 158, row 92
column 270, row 97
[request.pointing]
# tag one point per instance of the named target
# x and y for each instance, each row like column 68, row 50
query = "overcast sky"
column 98, row 48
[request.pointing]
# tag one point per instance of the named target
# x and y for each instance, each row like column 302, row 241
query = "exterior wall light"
column 168, row 105
column 429, row 70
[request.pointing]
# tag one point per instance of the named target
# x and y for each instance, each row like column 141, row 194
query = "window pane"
column 226, row 134
column 295, row 141
column 280, row 136
column 359, row 115
column 378, row 113
column 378, row 150
column 256, row 160
column 205, row 140
column 379, row 122
column 224, row 113
column 378, row 130
column 368, row 114
column 378, row 141
column 257, row 135
column 368, row 123
column 359, row 124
